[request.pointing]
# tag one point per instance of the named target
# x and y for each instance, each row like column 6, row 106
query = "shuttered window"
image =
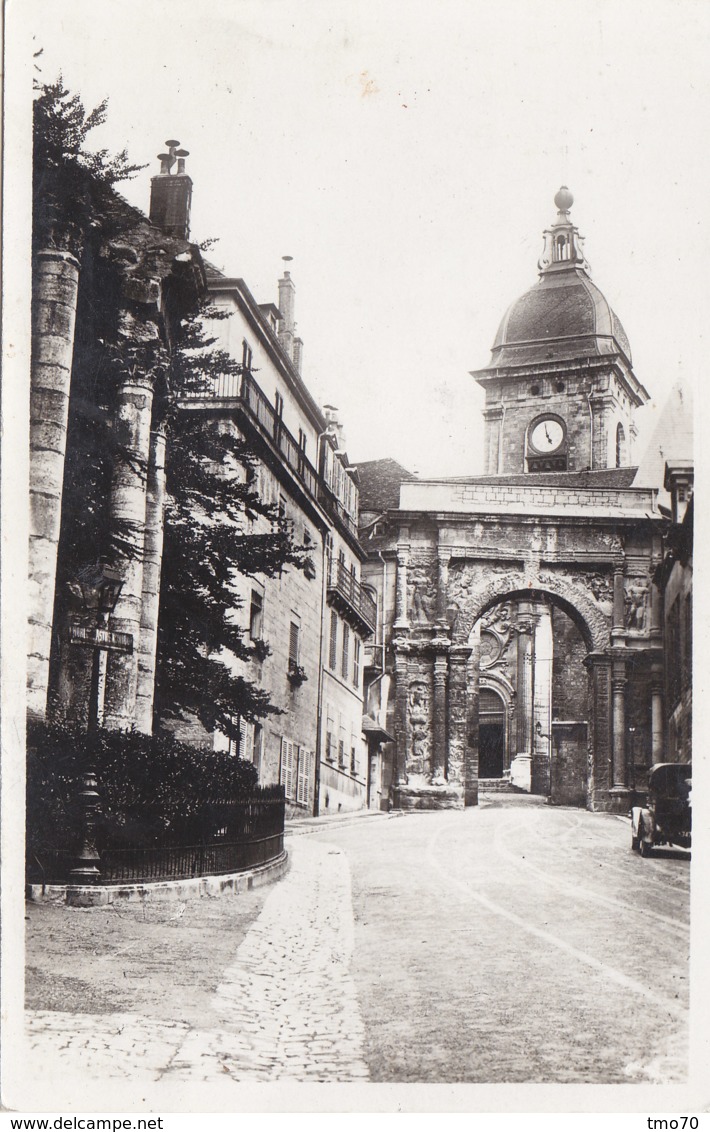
column 294, row 642
column 288, row 767
column 305, row 773
column 356, row 661
column 345, row 667
column 333, row 657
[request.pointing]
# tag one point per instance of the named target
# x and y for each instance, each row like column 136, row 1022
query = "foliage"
column 75, row 206
column 217, row 527
column 71, row 184
column 153, row 789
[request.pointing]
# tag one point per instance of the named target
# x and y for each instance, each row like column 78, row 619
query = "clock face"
column 547, row 435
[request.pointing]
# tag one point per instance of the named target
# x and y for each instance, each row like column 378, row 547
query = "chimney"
column 298, row 354
column 171, row 193
column 287, row 325
column 334, row 426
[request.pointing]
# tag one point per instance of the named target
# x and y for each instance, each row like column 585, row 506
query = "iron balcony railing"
column 244, row 389
column 346, row 593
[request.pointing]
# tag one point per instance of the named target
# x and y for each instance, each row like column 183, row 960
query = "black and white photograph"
column 353, row 366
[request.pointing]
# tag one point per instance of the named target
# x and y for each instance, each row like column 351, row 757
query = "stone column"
column 657, row 736
column 438, row 754
column 442, row 623
column 401, row 611
column 458, row 714
column 401, row 670
column 152, row 562
column 521, row 765
column 618, row 626
column 599, row 667
column 134, row 402
column 618, row 691
column 56, row 283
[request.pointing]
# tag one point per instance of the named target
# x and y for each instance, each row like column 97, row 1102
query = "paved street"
column 504, row 944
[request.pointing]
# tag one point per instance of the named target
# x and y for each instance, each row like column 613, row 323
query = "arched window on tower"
column 562, row 248
column 622, row 457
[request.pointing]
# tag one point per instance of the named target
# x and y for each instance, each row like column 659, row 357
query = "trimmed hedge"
column 152, row 788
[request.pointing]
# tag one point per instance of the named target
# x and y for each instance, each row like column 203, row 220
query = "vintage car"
column 666, row 817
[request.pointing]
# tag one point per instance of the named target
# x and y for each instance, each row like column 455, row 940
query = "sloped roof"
column 380, row 481
column 672, row 439
column 603, row 477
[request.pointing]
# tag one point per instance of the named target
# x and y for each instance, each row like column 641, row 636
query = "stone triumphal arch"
column 523, row 626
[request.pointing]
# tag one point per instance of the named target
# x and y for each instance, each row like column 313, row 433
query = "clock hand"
column 549, row 438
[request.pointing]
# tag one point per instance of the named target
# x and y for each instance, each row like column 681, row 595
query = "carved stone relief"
column 419, row 703
column 635, row 601
column 421, row 586
column 473, row 587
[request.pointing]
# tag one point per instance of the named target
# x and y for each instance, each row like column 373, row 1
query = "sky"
column 407, row 155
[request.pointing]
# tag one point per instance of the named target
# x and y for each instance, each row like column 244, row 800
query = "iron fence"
column 237, row 835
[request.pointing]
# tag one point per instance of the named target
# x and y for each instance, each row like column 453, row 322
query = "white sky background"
column 406, row 155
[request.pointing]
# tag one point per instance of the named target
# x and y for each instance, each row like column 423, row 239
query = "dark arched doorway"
column 491, row 734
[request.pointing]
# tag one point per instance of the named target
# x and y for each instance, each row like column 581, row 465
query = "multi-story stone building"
column 523, row 625
column 314, row 621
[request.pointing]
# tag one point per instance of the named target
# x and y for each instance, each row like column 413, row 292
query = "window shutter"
column 293, row 643
column 303, row 773
column 346, row 651
column 287, row 767
column 333, row 658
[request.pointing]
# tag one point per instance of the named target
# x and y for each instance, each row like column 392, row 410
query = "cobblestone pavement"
column 279, row 1018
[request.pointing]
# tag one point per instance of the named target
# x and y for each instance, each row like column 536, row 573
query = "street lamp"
column 99, row 588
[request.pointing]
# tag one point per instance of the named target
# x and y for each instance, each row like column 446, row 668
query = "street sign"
column 97, row 638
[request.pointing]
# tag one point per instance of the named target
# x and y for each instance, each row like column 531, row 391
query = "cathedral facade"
column 523, row 626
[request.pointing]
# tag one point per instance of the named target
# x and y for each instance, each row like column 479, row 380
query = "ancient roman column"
column 657, row 735
column 618, row 693
column 438, row 753
column 56, row 283
column 521, row 765
column 458, row 711
column 401, row 620
column 134, row 403
column 599, row 667
column 401, row 670
column 152, row 562
column 618, row 618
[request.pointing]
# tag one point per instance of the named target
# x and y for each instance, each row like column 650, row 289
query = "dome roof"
column 564, row 316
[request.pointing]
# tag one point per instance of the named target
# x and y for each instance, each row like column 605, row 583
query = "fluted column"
column 56, row 281
column 618, row 625
column 458, row 714
column 657, row 735
column 401, row 606
column 438, row 759
column 618, row 693
column 442, row 586
column 152, row 562
column 134, row 402
column 401, row 670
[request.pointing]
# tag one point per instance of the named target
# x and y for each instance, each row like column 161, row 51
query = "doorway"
column 491, row 748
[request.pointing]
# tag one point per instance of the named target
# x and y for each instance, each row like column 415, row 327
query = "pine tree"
column 216, row 528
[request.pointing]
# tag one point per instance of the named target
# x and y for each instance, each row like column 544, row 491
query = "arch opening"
column 529, row 681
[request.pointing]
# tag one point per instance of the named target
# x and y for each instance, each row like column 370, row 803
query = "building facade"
column 523, row 622
column 309, row 625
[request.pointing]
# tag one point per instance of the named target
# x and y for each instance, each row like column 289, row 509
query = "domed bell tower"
column 560, row 389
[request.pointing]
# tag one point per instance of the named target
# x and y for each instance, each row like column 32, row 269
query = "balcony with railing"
column 347, row 596
column 226, row 390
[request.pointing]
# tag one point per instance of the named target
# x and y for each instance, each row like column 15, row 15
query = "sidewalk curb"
column 97, row 896
column 337, row 821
